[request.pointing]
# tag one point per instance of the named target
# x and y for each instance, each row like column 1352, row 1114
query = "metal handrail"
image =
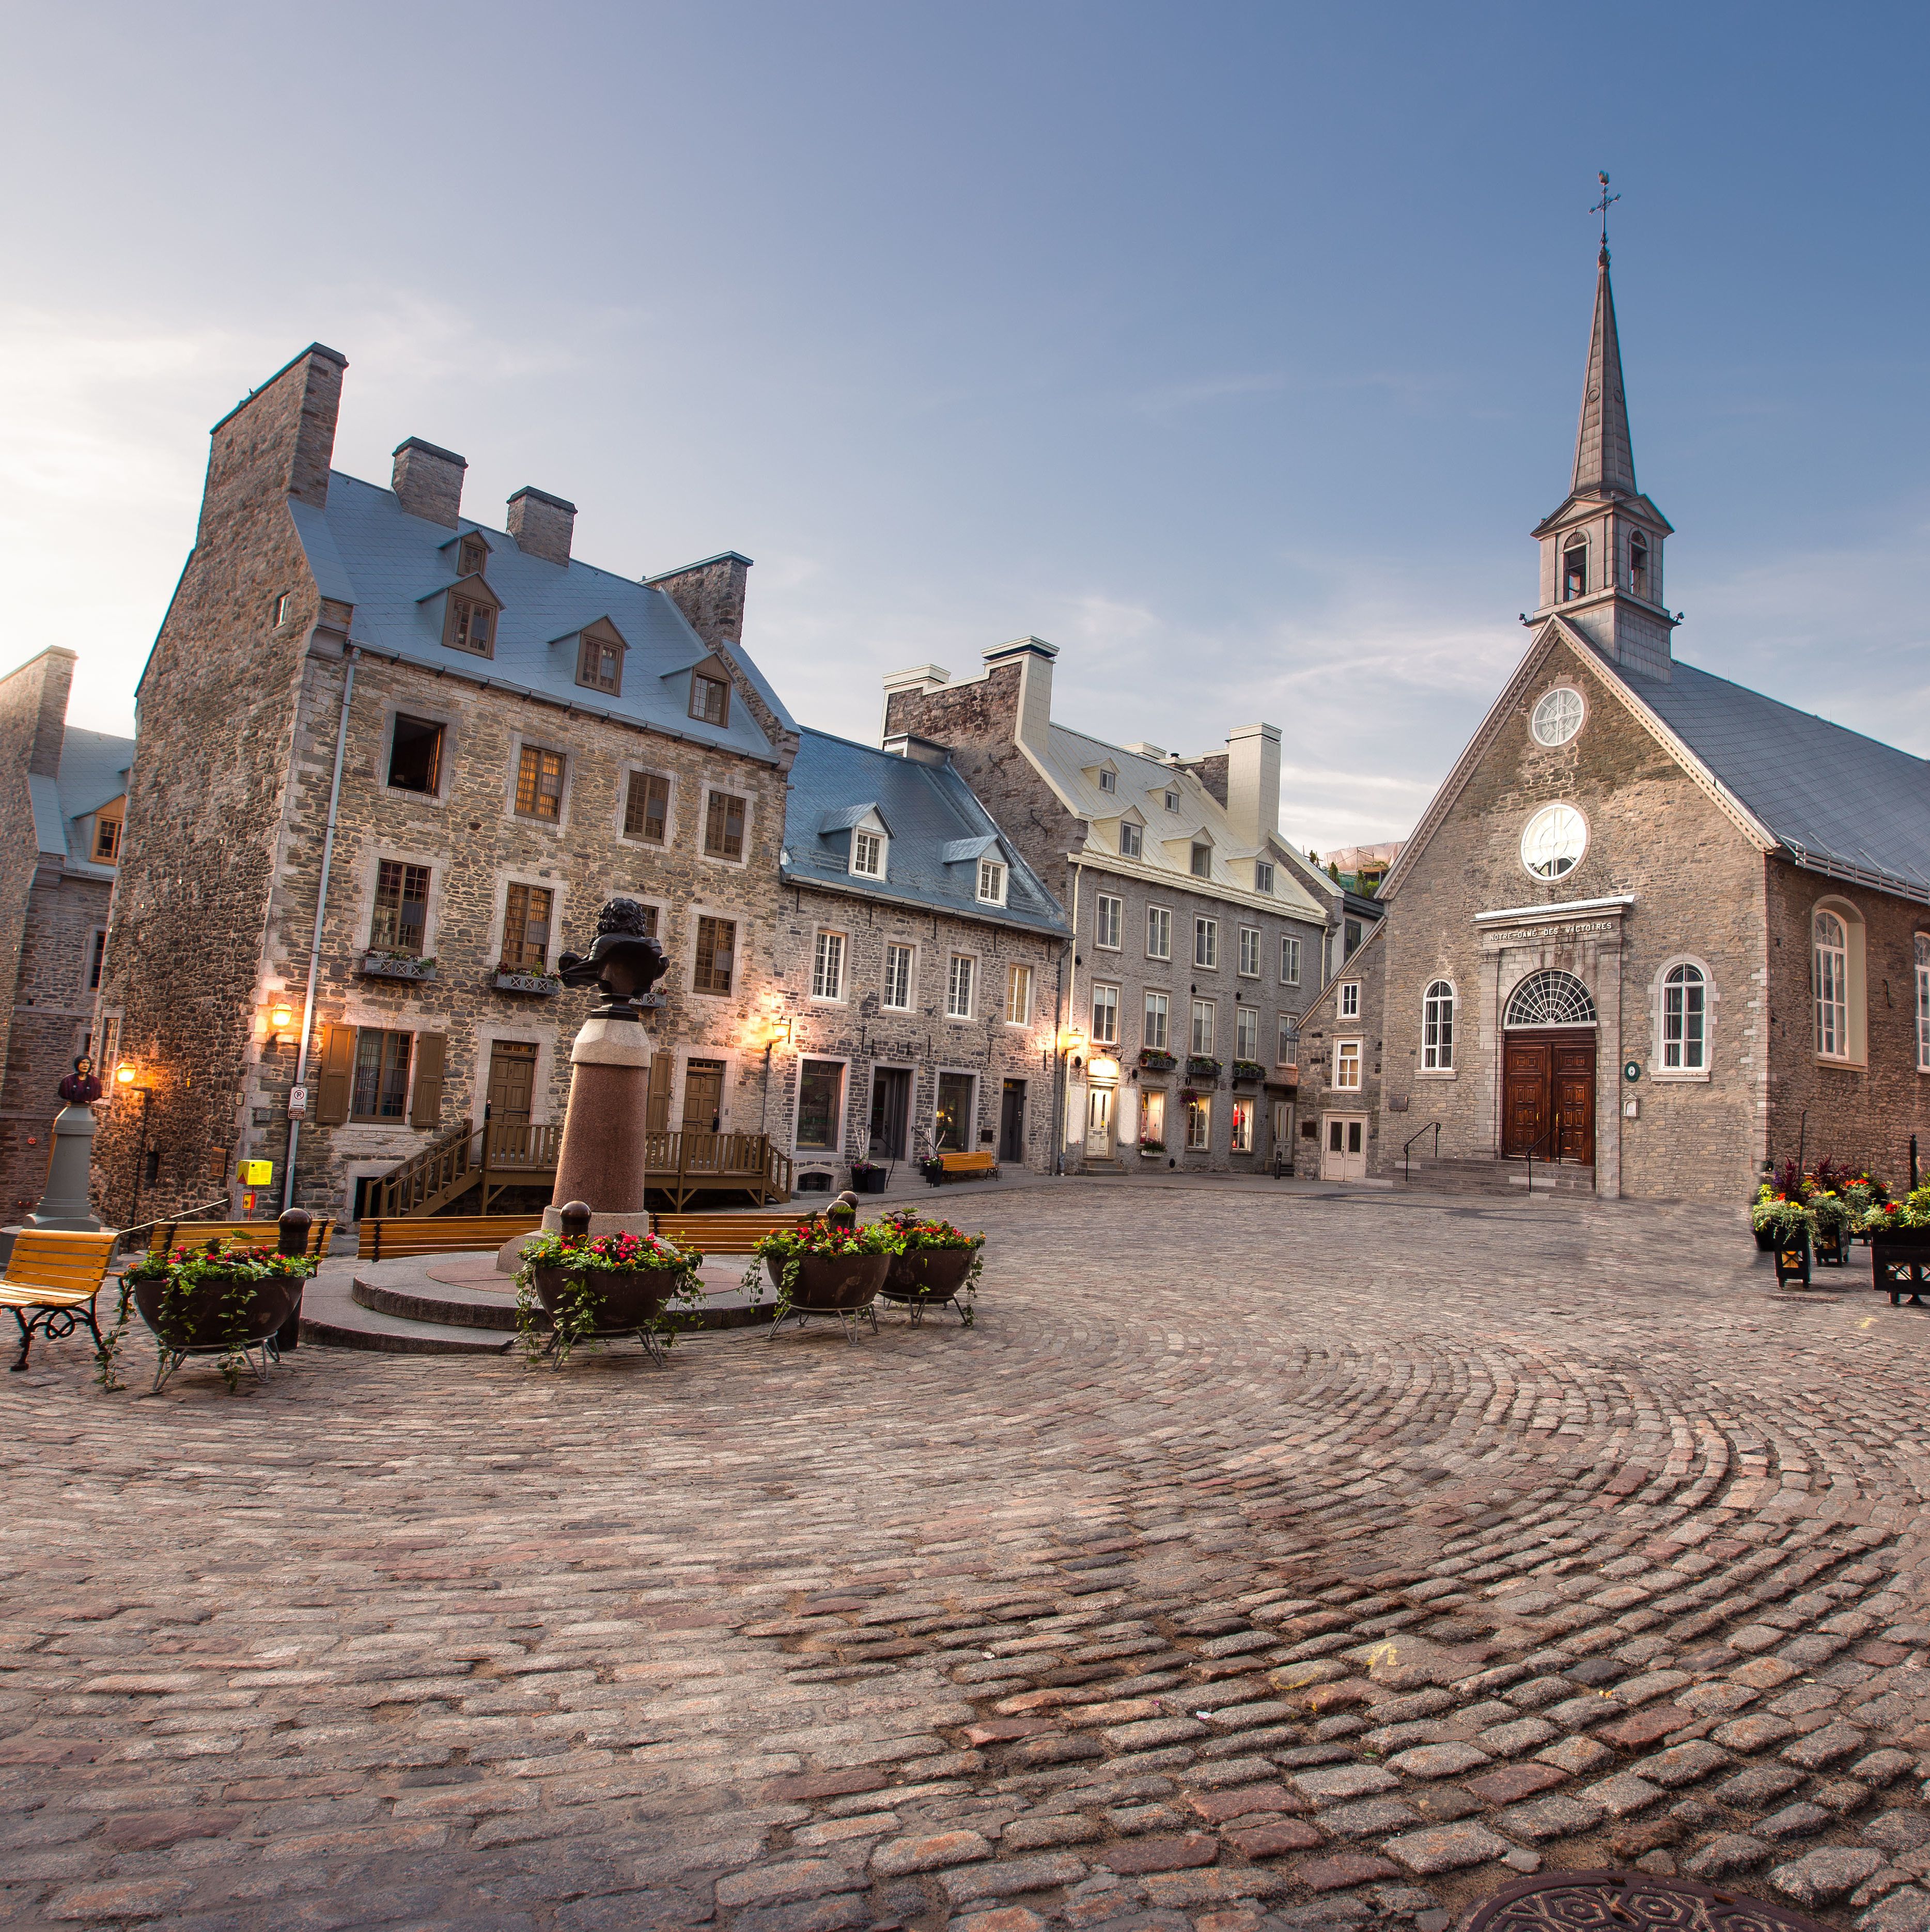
column 1414, row 1136
column 1552, row 1126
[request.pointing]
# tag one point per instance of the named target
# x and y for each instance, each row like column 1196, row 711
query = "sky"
column 1234, row 349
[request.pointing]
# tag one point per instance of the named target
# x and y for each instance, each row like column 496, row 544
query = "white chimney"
column 1034, row 657
column 1252, row 782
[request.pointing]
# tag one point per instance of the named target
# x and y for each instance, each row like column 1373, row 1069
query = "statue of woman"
column 80, row 1088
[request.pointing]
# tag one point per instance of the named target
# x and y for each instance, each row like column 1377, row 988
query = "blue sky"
column 1234, row 349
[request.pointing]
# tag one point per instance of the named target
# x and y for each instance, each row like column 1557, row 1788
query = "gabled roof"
column 849, row 817
column 932, row 812
column 366, row 549
column 93, row 772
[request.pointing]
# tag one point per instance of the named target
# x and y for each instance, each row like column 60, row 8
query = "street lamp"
column 124, row 1075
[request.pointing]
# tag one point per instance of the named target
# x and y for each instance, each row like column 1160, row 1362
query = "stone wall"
column 862, row 1034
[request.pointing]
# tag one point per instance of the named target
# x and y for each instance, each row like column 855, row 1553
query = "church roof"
column 1834, row 799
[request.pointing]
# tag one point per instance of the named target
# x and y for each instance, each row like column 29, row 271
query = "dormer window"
column 1172, row 801
column 1262, row 876
column 1638, row 565
column 709, row 699
column 991, row 882
column 1132, row 840
column 471, row 626
column 474, row 556
column 107, row 822
column 1108, row 780
column 1202, row 862
column 1574, row 570
column 599, row 660
column 867, row 855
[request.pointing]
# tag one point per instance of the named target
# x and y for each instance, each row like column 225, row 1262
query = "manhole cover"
column 1621, row 1901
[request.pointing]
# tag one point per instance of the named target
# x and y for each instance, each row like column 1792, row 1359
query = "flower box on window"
column 1152, row 1150
column 1202, row 1066
column 1248, row 1070
column 510, row 979
column 1154, row 1061
column 397, row 966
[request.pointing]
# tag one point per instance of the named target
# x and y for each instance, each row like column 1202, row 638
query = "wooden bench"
column 726, row 1234
column 387, row 1238
column 50, row 1283
column 170, row 1235
column 967, row 1167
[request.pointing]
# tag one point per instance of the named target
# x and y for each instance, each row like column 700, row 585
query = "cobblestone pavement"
column 1255, row 1562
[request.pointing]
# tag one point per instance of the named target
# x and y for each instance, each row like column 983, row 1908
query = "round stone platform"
column 459, row 1304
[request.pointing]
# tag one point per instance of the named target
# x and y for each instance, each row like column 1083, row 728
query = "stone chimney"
column 279, row 442
column 541, row 524
column 711, row 596
column 1033, row 657
column 1252, row 782
column 427, row 482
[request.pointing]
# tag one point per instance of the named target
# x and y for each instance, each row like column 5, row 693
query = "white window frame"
column 1018, row 993
column 1287, row 1034
column 1289, row 960
column 1666, row 982
column 1922, row 947
column 1263, row 876
column 910, row 1003
column 828, row 951
column 862, row 836
column 1206, row 943
column 1159, row 927
column 1437, row 1028
column 992, row 877
column 1205, row 1025
column 1246, row 1020
column 1105, row 1013
column 1199, row 1123
column 1833, row 983
column 1239, row 1125
column 1347, row 1004
column 1132, row 840
column 1108, row 920
column 835, row 1150
column 969, row 961
column 1346, row 1059
column 1249, row 952
column 1163, row 1016
column 1560, row 819
column 1108, row 780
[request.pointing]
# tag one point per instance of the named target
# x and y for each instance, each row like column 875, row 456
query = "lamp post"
column 124, row 1076
column 780, row 1030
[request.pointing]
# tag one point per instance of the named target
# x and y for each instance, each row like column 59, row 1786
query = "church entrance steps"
column 1486, row 1175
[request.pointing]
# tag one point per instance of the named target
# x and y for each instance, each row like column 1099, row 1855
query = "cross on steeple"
column 1601, row 208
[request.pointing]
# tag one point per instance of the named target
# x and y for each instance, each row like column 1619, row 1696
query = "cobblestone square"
column 1259, row 1559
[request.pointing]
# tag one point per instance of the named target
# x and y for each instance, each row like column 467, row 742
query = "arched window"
column 1437, row 1028
column 1923, row 1002
column 1832, row 979
column 1638, row 564
column 1553, row 841
column 1684, row 1020
column 1574, row 569
column 1550, row 998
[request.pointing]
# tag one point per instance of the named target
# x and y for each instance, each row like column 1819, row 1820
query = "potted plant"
column 515, row 979
column 1789, row 1226
column 831, row 1267
column 1248, row 1070
column 1153, row 1149
column 215, row 1300
column 870, row 1177
column 1899, row 1232
column 582, row 1289
column 1202, row 1066
column 1830, row 1213
column 390, row 965
column 1154, row 1060
column 935, row 1263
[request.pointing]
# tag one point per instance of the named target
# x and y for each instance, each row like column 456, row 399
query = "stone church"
column 1655, row 929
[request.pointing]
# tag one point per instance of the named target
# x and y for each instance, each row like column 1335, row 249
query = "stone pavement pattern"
column 1256, row 1562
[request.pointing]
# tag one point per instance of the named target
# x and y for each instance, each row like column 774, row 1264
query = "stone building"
column 919, row 966
column 1653, row 925
column 390, row 761
column 63, row 793
column 1198, row 932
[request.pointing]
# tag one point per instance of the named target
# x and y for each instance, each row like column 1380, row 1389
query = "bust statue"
column 80, row 1088
column 624, row 962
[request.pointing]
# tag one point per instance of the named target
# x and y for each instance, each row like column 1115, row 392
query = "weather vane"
column 1602, row 207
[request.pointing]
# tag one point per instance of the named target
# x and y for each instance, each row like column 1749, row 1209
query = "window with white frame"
column 991, row 882
column 1132, row 840
column 1018, row 995
column 867, row 855
column 1206, row 942
column 1108, row 780
column 1105, row 1016
column 1204, row 1012
column 1159, row 933
column 1246, row 1032
column 1172, row 801
column 1685, row 1020
column 1106, row 922
column 1241, row 1127
column 1289, row 961
column 1287, row 1053
column 1263, row 875
column 1202, row 862
column 1350, row 999
column 1199, row 1122
column 1347, row 1064
column 827, row 967
column 1923, row 1002
column 1832, row 983
column 898, row 978
column 1249, row 952
column 957, row 987
column 1155, row 1036
column 1437, row 1028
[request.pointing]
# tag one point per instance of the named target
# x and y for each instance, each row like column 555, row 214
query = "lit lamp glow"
column 124, row 1073
column 1104, row 1066
column 281, row 1016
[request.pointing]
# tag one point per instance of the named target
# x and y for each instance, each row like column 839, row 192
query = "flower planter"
column 1154, row 1061
column 869, row 1179
column 1766, row 1241
column 208, row 1320
column 1793, row 1257
column 1833, row 1246
column 1203, row 1067
column 832, row 1284
column 1900, row 1265
column 543, row 985
column 628, row 1299
column 928, row 1277
column 1248, row 1072
column 379, row 966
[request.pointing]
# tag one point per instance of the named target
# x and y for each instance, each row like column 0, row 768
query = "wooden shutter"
column 425, row 1106
column 663, row 1071
column 331, row 1098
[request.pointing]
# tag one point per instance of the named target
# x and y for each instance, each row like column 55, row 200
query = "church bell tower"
column 1602, row 551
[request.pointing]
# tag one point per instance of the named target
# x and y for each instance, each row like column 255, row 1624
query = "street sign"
column 298, row 1103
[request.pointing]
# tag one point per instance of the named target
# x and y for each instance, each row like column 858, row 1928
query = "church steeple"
column 1602, row 551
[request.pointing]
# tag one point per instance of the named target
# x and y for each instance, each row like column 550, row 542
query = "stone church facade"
column 1655, row 927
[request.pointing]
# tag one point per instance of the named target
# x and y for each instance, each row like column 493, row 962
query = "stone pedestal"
column 603, row 1159
column 64, row 1205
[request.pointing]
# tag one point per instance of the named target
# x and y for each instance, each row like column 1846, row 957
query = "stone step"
column 331, row 1318
column 1479, row 1175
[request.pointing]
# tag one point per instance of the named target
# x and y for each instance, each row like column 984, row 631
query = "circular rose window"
column 1556, row 837
column 1557, row 718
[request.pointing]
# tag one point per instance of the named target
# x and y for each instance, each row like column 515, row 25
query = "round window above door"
column 1552, row 845
column 1557, row 718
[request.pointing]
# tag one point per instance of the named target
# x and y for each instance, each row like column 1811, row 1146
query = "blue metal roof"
column 93, row 772
column 366, row 549
column 929, row 810
column 1826, row 793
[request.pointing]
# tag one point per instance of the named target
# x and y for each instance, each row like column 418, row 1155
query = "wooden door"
column 1525, row 1097
column 512, row 1079
column 1573, row 1074
column 1012, row 1122
column 703, row 1096
column 1345, row 1157
column 1099, row 1122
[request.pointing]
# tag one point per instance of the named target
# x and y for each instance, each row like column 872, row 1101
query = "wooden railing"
column 425, row 1181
